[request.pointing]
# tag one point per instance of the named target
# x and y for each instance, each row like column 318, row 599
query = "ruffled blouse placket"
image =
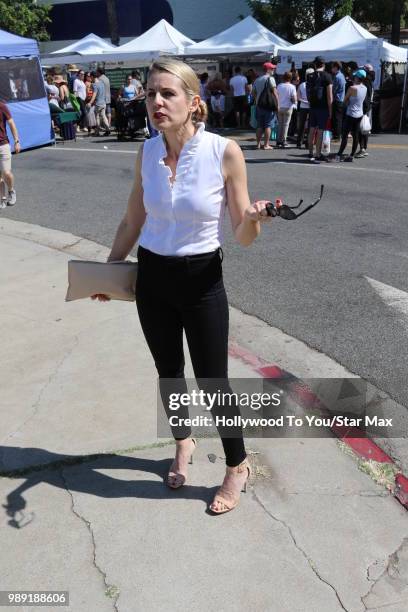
column 184, row 162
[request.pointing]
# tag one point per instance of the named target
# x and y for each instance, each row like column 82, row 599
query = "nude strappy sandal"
column 175, row 480
column 227, row 497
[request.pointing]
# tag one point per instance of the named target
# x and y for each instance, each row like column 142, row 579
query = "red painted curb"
column 363, row 447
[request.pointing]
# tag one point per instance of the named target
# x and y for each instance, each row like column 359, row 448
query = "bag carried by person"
column 365, row 125
column 253, row 122
column 326, row 142
column 315, row 89
column 267, row 100
column 116, row 279
column 75, row 103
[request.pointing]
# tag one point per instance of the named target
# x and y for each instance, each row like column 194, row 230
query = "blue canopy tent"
column 22, row 89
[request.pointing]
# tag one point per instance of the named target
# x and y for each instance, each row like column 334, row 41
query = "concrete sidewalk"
column 84, row 505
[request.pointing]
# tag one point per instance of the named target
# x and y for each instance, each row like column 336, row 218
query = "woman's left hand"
column 257, row 211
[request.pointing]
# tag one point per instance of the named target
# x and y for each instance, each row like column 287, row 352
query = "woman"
column 90, row 119
column 367, row 108
column 63, row 90
column 287, row 101
column 184, row 178
column 353, row 103
column 303, row 111
column 129, row 90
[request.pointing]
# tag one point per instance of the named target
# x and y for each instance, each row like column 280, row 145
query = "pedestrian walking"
column 5, row 155
column 184, row 179
column 319, row 89
column 353, row 101
column 265, row 111
column 108, row 97
column 287, row 101
column 98, row 99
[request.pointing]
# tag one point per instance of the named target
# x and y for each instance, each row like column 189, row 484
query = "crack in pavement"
column 47, row 383
column 391, row 571
column 109, row 588
column 309, row 561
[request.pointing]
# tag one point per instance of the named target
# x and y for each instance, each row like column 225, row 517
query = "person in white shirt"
column 186, row 179
column 303, row 111
column 287, row 102
column 240, row 90
column 79, row 89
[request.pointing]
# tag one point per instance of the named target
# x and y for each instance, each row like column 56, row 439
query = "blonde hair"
column 189, row 80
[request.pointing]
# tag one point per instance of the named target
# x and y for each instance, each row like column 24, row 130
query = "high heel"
column 226, row 496
column 175, row 480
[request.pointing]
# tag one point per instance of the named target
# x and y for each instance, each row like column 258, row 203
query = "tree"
column 113, row 21
column 304, row 18
column 397, row 9
column 296, row 20
column 25, row 18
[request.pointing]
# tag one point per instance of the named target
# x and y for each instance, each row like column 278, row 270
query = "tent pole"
column 403, row 101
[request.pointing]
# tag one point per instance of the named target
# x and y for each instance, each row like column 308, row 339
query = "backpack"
column 267, row 100
column 315, row 89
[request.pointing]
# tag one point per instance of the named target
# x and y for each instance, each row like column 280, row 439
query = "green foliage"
column 25, row 18
column 296, row 20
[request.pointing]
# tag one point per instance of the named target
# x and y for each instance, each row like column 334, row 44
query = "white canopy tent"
column 245, row 37
column 90, row 44
column 161, row 39
column 344, row 40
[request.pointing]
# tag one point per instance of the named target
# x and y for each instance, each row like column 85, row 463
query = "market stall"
column 22, row 89
column 246, row 37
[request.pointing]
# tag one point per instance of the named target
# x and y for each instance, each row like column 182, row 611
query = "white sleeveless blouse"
column 184, row 218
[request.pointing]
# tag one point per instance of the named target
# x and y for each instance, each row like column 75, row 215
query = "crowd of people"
column 300, row 108
column 86, row 93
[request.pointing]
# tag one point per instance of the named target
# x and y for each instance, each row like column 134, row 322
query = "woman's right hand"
column 101, row 297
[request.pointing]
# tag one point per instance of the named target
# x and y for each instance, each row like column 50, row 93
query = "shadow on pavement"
column 87, row 479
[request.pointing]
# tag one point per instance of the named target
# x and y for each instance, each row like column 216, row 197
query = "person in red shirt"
column 5, row 154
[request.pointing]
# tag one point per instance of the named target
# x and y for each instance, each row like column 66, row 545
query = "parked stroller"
column 130, row 118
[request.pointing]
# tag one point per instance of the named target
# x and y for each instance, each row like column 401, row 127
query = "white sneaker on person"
column 3, row 203
column 12, row 198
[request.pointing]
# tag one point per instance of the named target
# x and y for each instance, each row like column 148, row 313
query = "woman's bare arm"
column 129, row 228
column 245, row 217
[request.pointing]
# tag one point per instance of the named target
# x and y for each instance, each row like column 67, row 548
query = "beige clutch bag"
column 114, row 279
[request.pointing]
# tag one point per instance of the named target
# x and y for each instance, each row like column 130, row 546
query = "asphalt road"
column 336, row 279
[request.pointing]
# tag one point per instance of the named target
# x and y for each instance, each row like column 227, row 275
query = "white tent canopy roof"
column 246, row 36
column 91, row 44
column 161, row 38
column 344, row 40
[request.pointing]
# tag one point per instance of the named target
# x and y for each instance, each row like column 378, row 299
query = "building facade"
column 197, row 19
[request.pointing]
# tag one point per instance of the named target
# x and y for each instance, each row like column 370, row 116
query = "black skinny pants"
column 350, row 124
column 187, row 293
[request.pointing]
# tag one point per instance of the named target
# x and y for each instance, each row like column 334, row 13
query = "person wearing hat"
column 62, row 85
column 320, row 95
column 265, row 117
column 353, row 101
column 367, row 108
column 72, row 72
